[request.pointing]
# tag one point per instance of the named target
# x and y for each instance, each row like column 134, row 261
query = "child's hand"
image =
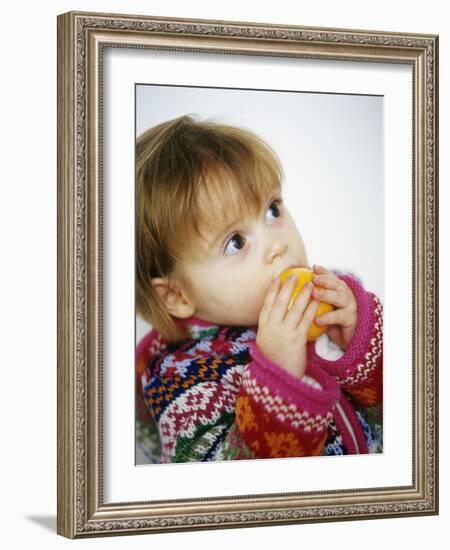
column 336, row 292
column 281, row 332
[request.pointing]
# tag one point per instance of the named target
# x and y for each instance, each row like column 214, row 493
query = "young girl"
column 227, row 372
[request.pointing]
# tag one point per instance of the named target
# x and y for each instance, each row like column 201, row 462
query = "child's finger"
column 308, row 316
column 295, row 312
column 320, row 269
column 269, row 300
column 283, row 298
column 336, row 317
column 327, row 281
column 333, row 297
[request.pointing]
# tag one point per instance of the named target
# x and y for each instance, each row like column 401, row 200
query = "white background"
column 28, row 291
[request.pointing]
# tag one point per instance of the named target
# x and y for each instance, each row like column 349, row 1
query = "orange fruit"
column 303, row 276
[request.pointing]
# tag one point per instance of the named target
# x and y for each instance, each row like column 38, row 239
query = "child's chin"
column 243, row 322
column 250, row 323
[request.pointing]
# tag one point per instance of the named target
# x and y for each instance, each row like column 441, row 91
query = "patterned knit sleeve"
column 280, row 415
column 360, row 369
column 208, row 407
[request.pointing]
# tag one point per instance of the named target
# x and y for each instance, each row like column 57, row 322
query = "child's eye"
column 236, row 243
column 274, row 210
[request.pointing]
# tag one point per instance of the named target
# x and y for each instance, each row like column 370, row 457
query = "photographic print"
column 227, row 386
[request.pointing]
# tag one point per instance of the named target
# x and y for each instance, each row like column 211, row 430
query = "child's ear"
column 175, row 300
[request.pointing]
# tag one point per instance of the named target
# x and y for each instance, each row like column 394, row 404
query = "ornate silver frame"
column 81, row 39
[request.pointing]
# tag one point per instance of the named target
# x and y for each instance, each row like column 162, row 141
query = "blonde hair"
column 177, row 162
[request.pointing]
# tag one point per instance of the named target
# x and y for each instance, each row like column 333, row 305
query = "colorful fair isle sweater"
column 215, row 396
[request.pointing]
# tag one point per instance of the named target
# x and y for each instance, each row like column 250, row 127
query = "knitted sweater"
column 215, row 396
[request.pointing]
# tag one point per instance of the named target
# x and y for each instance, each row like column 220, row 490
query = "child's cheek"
column 234, row 291
column 255, row 295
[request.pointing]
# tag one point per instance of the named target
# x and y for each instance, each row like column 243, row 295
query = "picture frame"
column 83, row 471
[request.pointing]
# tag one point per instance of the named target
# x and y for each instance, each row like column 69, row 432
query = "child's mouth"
column 291, row 266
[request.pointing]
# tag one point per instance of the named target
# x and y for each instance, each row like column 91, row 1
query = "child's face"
column 229, row 280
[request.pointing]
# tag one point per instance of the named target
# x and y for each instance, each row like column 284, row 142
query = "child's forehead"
column 219, row 205
column 219, row 212
column 223, row 197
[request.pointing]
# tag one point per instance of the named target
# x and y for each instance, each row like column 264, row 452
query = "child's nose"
column 276, row 250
